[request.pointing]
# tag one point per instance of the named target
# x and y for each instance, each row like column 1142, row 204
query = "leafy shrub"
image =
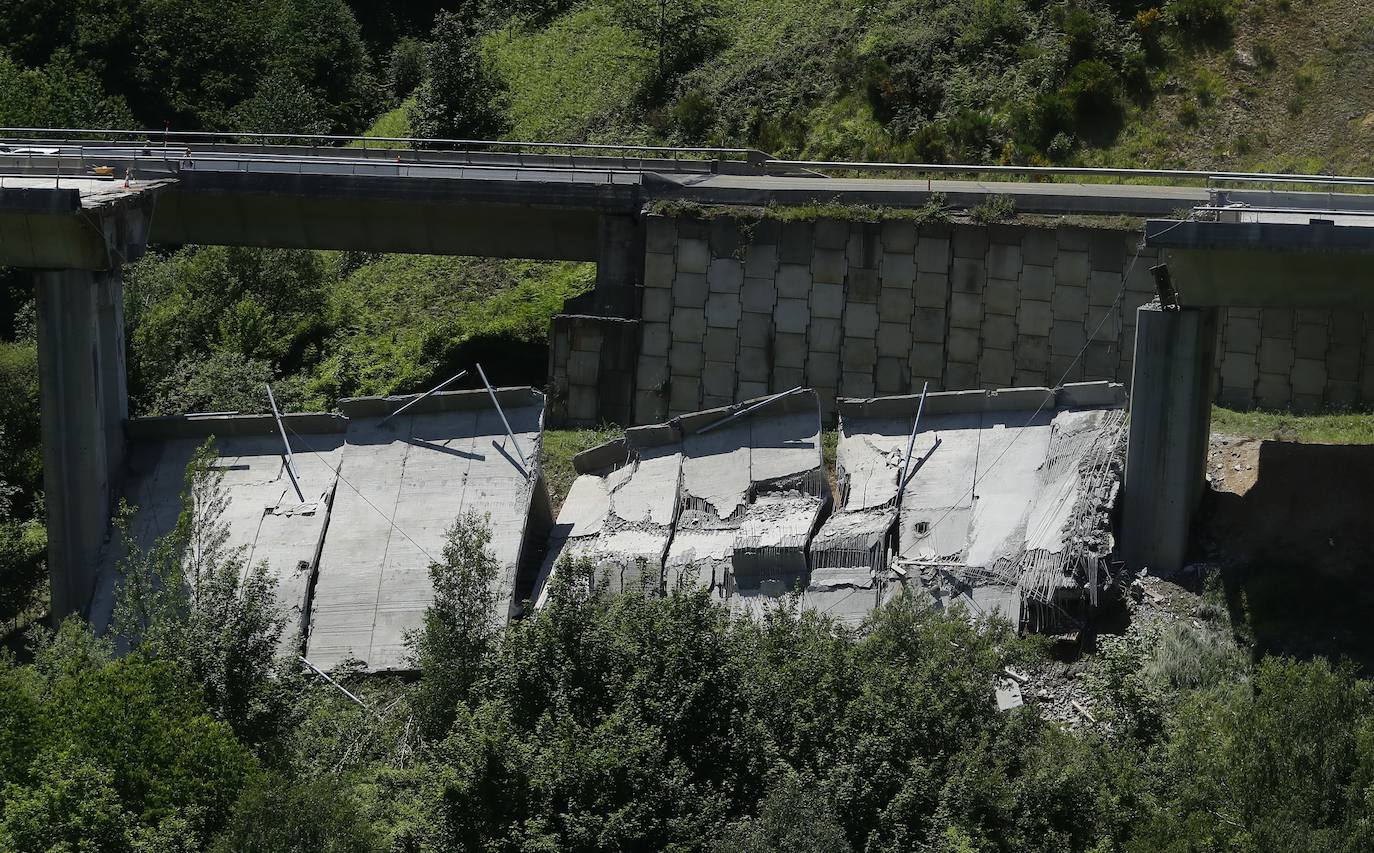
column 1095, row 89
column 275, row 815
column 794, row 818
column 405, row 68
column 996, row 208
column 223, row 382
column 461, row 99
column 1202, row 20
column 128, row 735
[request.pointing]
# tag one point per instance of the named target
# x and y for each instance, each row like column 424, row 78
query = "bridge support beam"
column 1170, row 410
column 619, row 266
column 84, row 406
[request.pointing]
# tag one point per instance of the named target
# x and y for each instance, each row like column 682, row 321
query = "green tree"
column 320, row 63
column 461, row 99
column 87, row 723
column 258, row 304
column 57, row 95
column 453, row 650
column 405, row 69
column 23, row 537
column 793, row 818
column 71, row 805
column 1285, row 763
column 274, row 815
column 282, row 104
column 679, row 33
column 189, row 598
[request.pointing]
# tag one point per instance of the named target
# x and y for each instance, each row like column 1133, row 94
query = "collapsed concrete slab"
column 1006, row 503
column 719, row 499
column 404, row 481
column 351, row 560
column 262, row 517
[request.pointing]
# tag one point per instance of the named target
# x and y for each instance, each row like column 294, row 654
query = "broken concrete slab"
column 404, row 482
column 729, row 506
column 263, row 518
column 1006, row 502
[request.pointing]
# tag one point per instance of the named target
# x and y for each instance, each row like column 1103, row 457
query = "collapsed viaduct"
column 698, row 308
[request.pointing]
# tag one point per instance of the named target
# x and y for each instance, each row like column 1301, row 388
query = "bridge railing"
column 341, row 152
column 573, row 154
column 1195, row 177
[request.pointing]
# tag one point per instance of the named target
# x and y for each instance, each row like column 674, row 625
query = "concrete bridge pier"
column 619, row 265
column 84, row 405
column 75, row 235
column 1170, row 413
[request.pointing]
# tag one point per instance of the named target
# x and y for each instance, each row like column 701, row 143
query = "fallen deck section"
column 1006, row 504
column 252, row 505
column 404, row 482
column 721, row 499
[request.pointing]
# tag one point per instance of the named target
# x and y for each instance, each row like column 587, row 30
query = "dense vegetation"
column 621, row 722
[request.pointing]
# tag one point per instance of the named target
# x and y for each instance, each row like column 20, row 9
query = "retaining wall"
column 735, row 308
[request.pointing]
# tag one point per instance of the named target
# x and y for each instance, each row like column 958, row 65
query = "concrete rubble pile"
column 352, row 559
column 1006, row 506
column 737, row 497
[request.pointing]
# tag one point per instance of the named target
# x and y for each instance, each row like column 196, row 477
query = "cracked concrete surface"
column 1005, row 506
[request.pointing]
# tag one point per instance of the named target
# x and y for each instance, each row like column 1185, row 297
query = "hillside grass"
column 1287, row 91
column 557, row 452
column 576, row 80
column 403, row 322
column 1339, row 428
column 394, row 123
column 1283, row 86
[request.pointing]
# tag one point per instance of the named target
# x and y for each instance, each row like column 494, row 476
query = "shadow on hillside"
column 505, row 361
column 1297, row 550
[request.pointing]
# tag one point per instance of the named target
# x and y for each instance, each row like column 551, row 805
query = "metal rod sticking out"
column 747, row 409
column 436, row 389
column 504, row 422
column 322, row 674
column 911, row 442
column 290, row 461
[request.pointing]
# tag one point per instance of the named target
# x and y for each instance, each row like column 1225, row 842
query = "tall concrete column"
column 619, row 266
column 84, row 405
column 1166, row 455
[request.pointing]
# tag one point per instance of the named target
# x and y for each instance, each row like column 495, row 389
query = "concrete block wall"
column 1302, row 359
column 738, row 308
column 592, row 363
column 855, row 309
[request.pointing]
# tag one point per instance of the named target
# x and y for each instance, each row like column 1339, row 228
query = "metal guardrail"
column 774, row 165
column 598, row 158
column 153, row 137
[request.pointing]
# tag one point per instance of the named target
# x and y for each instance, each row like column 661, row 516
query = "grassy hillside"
column 209, row 325
column 1272, row 84
column 1288, row 89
